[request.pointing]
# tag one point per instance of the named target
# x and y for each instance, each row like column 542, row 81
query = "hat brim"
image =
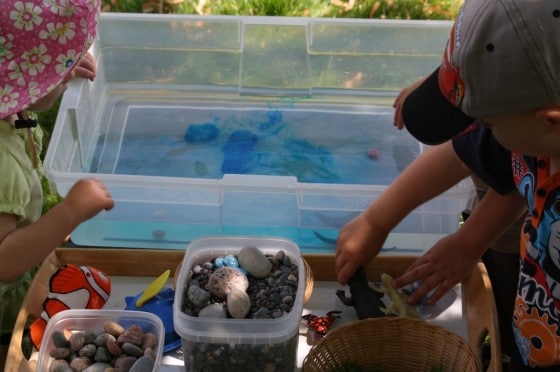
column 429, row 116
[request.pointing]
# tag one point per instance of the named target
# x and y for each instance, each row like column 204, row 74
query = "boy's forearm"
column 492, row 217
column 433, row 172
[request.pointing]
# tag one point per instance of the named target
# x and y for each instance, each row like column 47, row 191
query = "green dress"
column 21, row 195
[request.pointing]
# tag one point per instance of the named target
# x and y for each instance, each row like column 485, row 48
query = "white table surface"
column 322, row 300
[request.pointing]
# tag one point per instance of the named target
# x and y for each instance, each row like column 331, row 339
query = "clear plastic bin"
column 225, row 125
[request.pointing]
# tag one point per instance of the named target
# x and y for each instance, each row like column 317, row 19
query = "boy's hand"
column 399, row 101
column 358, row 242
column 88, row 197
column 444, row 265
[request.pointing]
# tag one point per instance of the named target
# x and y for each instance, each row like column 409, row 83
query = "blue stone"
column 197, row 133
column 231, row 261
column 219, row 262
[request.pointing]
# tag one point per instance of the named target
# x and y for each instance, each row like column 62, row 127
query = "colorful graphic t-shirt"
column 536, row 315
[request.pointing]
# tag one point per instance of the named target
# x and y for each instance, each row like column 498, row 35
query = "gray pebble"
column 143, row 364
column 59, row 340
column 132, row 350
column 97, row 367
column 88, row 350
column 254, row 261
column 261, row 313
column 198, row 296
column 60, row 365
column 279, row 256
column 288, row 300
column 102, row 355
column 101, row 340
column 60, row 352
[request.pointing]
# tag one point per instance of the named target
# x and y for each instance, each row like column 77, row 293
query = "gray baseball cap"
column 503, row 56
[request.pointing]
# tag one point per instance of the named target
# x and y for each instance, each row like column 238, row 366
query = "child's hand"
column 447, row 263
column 358, row 242
column 399, row 101
column 88, row 197
column 86, row 68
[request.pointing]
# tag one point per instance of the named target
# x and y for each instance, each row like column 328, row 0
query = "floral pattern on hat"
column 40, row 42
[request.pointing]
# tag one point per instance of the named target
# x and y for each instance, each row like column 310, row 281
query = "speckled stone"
column 238, row 303
column 254, row 261
column 88, row 350
column 224, row 279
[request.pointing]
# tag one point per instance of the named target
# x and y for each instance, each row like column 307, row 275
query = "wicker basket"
column 391, row 344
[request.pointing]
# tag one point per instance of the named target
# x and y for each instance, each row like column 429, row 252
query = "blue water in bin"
column 313, row 146
column 316, row 146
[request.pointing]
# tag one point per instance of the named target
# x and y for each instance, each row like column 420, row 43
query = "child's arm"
column 23, row 248
column 433, row 172
column 450, row 260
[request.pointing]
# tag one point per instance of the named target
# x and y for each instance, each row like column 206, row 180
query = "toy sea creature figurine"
column 71, row 287
column 397, row 305
column 321, row 324
column 364, row 299
column 373, row 153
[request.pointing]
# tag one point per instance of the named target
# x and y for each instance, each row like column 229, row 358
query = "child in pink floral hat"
column 43, row 45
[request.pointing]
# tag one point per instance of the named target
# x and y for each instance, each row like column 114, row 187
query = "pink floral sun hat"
column 40, row 42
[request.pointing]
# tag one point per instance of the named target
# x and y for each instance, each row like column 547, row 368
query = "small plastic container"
column 246, row 344
column 93, row 320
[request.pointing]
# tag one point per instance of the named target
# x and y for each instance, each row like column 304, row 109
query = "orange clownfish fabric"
column 71, row 287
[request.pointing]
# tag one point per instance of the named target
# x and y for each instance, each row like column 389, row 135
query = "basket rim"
column 335, row 346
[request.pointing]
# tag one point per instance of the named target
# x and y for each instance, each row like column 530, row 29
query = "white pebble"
column 213, row 311
column 238, row 303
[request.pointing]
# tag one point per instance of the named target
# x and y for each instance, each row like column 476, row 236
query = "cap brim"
column 429, row 116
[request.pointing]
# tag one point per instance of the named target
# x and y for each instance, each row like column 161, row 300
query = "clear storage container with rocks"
column 101, row 339
column 238, row 304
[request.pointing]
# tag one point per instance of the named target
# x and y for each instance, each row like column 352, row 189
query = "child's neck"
column 10, row 119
